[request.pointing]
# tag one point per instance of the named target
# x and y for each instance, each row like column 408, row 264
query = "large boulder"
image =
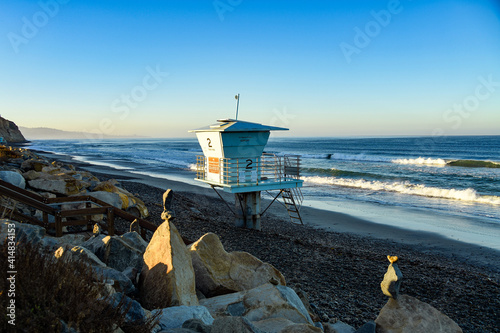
column 135, row 314
column 167, row 277
column 135, row 240
column 51, row 244
column 301, row 328
column 115, row 252
column 128, row 199
column 57, row 185
column 175, row 316
column 233, row 324
column 112, row 199
column 197, row 325
column 115, row 278
column 58, row 180
column 13, row 178
column 34, row 164
column 219, row 272
column 408, row 314
column 339, row 327
column 282, row 325
column 263, row 302
column 72, row 253
column 24, row 233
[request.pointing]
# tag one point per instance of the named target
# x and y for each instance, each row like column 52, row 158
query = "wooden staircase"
column 11, row 196
column 292, row 197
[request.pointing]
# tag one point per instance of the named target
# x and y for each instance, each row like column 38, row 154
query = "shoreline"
column 319, row 219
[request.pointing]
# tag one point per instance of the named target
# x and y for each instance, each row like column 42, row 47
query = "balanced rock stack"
column 406, row 314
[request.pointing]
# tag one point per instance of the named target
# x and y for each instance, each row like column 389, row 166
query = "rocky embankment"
column 51, row 179
column 200, row 287
column 196, row 285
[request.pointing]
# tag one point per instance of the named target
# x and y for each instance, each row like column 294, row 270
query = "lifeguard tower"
column 233, row 159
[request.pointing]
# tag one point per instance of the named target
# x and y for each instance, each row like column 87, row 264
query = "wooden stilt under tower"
column 248, row 210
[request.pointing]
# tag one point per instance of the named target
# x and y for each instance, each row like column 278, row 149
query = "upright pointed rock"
column 167, row 277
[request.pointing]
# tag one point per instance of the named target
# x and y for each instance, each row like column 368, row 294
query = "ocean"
column 446, row 185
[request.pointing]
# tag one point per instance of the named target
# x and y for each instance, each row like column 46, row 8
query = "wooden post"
column 58, row 224
column 45, row 220
column 248, row 210
column 143, row 233
column 111, row 221
column 88, row 204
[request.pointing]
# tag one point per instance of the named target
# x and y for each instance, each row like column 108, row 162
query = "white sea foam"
column 100, row 163
column 372, row 158
column 421, row 161
column 468, row 195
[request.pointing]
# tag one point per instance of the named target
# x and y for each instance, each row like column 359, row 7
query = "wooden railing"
column 63, row 218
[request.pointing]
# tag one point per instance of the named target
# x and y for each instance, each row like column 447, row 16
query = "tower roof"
column 232, row 125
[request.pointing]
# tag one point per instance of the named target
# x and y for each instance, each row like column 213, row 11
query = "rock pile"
column 200, row 287
column 25, row 169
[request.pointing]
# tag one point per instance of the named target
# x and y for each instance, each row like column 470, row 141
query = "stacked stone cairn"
column 404, row 313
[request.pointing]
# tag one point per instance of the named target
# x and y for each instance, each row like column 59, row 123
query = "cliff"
column 10, row 132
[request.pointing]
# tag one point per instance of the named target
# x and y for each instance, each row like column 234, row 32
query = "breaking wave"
column 421, row 161
column 429, row 161
column 468, row 195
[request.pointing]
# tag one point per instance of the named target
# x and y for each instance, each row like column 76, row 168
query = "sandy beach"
column 337, row 259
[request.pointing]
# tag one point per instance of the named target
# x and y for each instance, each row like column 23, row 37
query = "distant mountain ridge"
column 45, row 133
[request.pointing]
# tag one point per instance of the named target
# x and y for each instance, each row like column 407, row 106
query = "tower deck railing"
column 266, row 169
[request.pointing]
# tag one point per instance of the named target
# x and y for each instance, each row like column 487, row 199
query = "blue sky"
column 321, row 68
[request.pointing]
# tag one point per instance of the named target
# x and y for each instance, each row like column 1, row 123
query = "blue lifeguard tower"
column 234, row 159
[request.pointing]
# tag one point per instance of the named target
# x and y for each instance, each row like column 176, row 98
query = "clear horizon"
column 328, row 69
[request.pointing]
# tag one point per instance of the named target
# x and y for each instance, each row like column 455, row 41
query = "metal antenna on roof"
column 237, row 97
